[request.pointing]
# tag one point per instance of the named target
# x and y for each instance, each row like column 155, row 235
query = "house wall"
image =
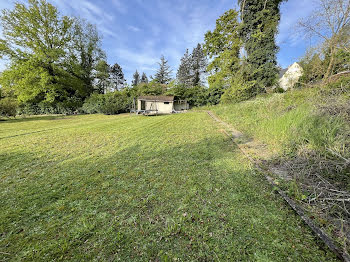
column 291, row 77
column 139, row 105
column 162, row 108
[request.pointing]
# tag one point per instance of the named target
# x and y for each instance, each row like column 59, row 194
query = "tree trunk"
column 330, row 65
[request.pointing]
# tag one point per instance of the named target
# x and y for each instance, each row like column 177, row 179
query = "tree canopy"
column 52, row 57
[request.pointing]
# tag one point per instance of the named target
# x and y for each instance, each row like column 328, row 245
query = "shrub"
column 8, row 107
column 109, row 104
column 93, row 104
column 240, row 90
column 115, row 103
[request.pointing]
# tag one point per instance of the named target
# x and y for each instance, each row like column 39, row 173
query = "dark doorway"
column 143, row 105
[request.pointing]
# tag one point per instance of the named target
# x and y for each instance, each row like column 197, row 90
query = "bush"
column 240, row 90
column 68, row 106
column 8, row 107
column 93, row 104
column 109, row 104
column 115, row 103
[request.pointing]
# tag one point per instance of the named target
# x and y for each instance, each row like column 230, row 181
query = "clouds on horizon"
column 137, row 32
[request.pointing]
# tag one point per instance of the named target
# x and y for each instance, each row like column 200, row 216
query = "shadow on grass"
column 32, row 118
column 193, row 201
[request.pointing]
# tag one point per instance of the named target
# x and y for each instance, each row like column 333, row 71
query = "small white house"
column 289, row 77
column 154, row 105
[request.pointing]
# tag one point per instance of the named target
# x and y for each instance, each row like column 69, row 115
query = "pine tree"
column 199, row 64
column 259, row 29
column 183, row 75
column 136, row 79
column 192, row 68
column 144, row 78
column 117, row 76
column 163, row 75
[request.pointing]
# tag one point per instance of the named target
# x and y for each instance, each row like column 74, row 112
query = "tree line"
column 57, row 65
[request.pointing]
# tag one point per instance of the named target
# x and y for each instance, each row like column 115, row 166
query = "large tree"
column 117, row 76
column 85, row 54
column 258, row 30
column 183, row 75
column 222, row 45
column 51, row 57
column 144, row 78
column 163, row 74
column 103, row 81
column 330, row 23
column 192, row 68
column 136, row 79
column 199, row 65
column 35, row 40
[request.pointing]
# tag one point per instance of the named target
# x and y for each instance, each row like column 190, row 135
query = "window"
column 166, row 103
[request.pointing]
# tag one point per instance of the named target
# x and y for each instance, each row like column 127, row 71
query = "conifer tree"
column 163, row 75
column 136, row 79
column 144, row 78
column 192, row 67
column 117, row 76
column 199, row 64
column 183, row 75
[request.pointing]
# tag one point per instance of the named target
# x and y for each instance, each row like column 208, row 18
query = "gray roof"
column 157, row 98
column 282, row 72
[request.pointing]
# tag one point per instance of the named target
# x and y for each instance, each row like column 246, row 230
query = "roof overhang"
column 157, row 98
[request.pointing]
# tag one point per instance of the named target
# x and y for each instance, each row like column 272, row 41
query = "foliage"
column 330, row 23
column 195, row 95
column 163, row 74
column 84, row 57
column 313, row 67
column 152, row 88
column 239, row 90
column 183, row 75
column 192, row 68
column 144, row 78
column 8, row 107
column 316, row 61
column 222, row 47
column 129, row 188
column 117, row 76
column 111, row 103
column 115, row 103
column 93, row 104
column 306, row 133
column 52, row 57
column 199, row 65
column 215, row 92
column 258, row 30
column 103, row 81
column 136, row 79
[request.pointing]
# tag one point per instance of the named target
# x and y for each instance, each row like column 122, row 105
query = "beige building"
column 289, row 77
column 154, row 105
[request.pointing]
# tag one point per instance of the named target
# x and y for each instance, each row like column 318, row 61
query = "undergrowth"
column 307, row 132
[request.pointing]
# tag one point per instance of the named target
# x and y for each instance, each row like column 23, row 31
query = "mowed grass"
column 133, row 188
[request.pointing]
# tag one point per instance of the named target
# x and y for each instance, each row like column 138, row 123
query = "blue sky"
column 137, row 32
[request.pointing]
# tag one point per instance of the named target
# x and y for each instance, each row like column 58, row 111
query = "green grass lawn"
column 134, row 188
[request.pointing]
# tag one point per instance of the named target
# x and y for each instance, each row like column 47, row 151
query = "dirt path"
column 255, row 151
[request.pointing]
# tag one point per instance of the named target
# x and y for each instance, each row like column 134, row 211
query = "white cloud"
column 134, row 28
column 91, row 12
column 120, row 6
column 291, row 12
column 137, row 58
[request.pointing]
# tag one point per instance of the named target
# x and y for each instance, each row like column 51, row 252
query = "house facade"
column 290, row 76
column 154, row 105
